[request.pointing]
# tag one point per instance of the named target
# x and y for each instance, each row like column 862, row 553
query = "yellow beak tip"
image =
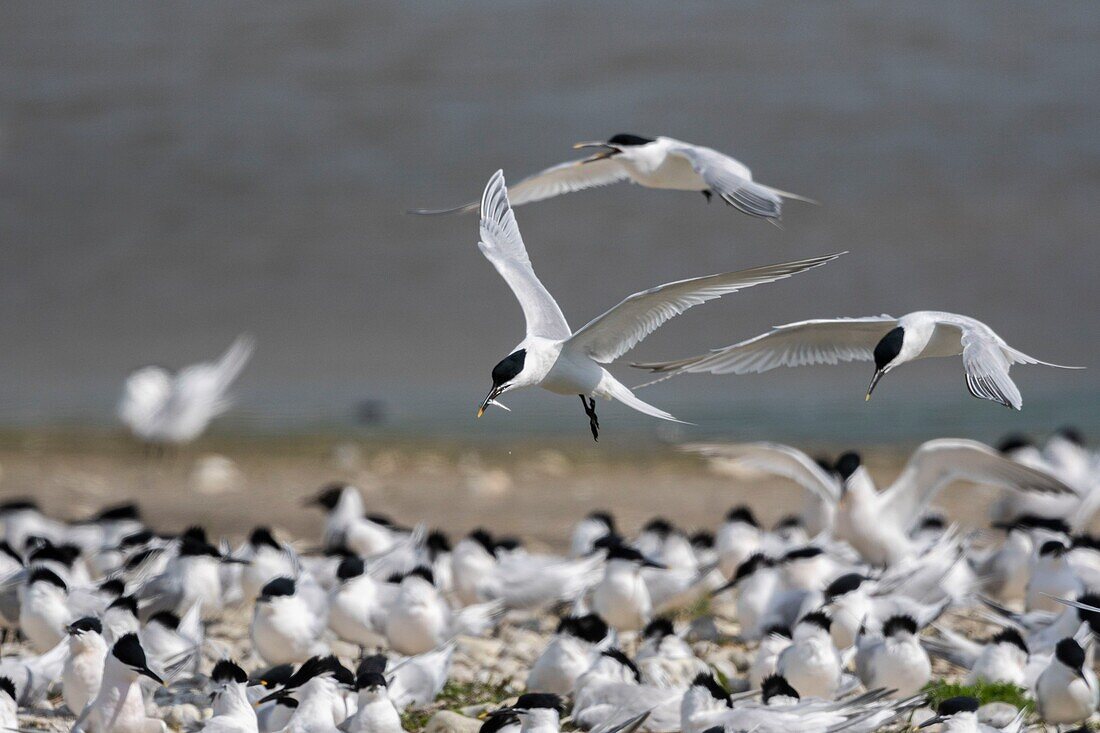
column 867, row 398
column 480, row 411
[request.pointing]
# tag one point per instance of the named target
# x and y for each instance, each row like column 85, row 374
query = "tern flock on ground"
column 836, row 619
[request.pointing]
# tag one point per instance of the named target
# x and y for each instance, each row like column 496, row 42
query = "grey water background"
column 172, row 174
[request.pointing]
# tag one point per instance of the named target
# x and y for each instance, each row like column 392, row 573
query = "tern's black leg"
column 593, row 420
column 707, row 194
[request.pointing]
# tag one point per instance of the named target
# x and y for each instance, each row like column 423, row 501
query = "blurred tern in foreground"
column 555, row 358
column 653, row 163
column 161, row 408
column 889, row 342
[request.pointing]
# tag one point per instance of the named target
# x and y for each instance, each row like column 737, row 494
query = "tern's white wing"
column 502, row 245
column 609, row 336
column 732, row 181
column 201, row 391
column 805, row 343
column 937, row 463
column 775, row 458
column 574, row 175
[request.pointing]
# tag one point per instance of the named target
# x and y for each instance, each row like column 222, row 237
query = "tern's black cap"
column 624, row 660
column 743, row 514
column 702, row 539
column 603, row 516
column 536, row 700
column 278, row 587
column 777, row 686
column 847, row 464
column 1014, row 442
column 1010, row 636
column 803, row 553
column 901, row 622
column 509, row 367
column 41, row 574
column 707, row 682
column 86, row 624
column 889, row 347
column 272, row 677
column 262, row 537
column 65, row 554
column 659, row 526
column 329, row 496
column 127, row 603
column 1070, row 653
column 590, row 627
column 1072, row 434
column 118, row 513
column 844, row 584
column 1052, row 548
column 817, row 618
column 375, row 663
column 167, row 619
column 226, row 670
column 8, row 686
column 128, row 651
column 350, row 567
column 658, row 628
column 626, row 138
column 961, row 704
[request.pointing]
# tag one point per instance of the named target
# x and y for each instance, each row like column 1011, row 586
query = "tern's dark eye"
column 509, row 367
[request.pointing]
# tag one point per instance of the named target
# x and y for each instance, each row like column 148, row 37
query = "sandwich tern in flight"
column 554, row 357
column 889, row 342
column 653, row 163
column 877, row 523
column 161, row 408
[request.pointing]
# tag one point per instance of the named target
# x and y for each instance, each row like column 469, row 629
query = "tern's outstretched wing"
column 204, row 388
column 805, row 343
column 609, row 336
column 502, row 245
column 575, row 175
column 774, row 458
column 732, row 181
column 937, row 463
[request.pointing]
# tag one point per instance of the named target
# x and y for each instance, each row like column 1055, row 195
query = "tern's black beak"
column 725, row 587
column 934, row 720
column 647, row 563
column 272, row 696
column 874, row 381
column 145, row 671
column 493, row 394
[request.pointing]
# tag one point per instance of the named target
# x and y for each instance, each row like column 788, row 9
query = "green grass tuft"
column 985, row 692
column 455, row 696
